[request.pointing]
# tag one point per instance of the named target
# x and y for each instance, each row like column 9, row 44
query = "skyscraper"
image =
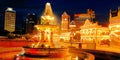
column 10, row 19
column 30, row 22
column 65, row 21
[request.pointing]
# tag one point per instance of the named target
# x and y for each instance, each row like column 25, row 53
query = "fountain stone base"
column 45, row 52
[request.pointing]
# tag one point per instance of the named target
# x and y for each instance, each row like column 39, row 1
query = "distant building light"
column 9, row 9
column 33, row 13
column 72, row 25
column 26, row 19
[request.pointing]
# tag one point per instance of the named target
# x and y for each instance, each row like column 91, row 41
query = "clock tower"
column 65, row 21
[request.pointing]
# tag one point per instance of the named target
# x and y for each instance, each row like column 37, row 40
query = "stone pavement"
column 7, row 53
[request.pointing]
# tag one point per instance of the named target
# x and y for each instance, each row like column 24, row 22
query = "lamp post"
column 71, row 37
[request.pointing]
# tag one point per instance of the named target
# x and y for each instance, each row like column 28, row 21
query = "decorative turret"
column 110, row 15
column 119, row 11
column 114, row 16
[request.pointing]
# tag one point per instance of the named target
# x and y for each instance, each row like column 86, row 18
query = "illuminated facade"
column 80, row 18
column 114, row 25
column 93, row 33
column 65, row 21
column 10, row 19
column 114, row 16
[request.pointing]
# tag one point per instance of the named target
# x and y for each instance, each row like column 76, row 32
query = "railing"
column 83, row 45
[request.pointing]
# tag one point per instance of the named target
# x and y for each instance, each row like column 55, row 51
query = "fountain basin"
column 45, row 52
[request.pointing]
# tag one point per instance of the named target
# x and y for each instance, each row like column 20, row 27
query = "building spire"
column 65, row 13
column 110, row 16
column 119, row 11
column 118, row 8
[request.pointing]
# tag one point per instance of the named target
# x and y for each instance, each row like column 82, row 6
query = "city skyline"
column 22, row 8
column 81, row 39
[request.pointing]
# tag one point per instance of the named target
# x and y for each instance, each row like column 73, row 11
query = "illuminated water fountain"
column 45, row 31
column 45, row 47
column 47, row 28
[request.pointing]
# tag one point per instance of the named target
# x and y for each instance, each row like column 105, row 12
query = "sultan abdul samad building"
column 92, row 32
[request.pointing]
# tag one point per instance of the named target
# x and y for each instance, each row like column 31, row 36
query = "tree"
column 11, row 36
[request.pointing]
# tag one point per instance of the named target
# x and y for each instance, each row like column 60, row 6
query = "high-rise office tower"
column 10, row 19
column 30, row 22
column 65, row 21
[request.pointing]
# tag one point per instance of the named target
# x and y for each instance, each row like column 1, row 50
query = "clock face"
column 65, row 19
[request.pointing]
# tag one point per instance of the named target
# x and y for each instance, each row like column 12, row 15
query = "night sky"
column 23, row 7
